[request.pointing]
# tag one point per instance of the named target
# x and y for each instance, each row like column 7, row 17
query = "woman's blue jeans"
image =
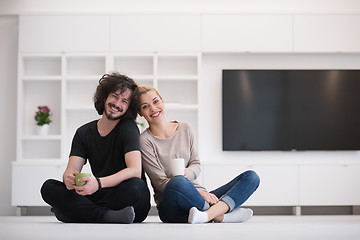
column 180, row 196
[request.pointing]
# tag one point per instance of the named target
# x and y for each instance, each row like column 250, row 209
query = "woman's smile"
column 156, row 114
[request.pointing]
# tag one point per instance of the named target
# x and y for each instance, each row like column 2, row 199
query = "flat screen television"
column 291, row 110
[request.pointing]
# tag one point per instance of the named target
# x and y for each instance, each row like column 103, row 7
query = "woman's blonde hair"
column 141, row 89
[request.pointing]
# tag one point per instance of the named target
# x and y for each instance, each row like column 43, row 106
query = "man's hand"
column 89, row 188
column 209, row 197
column 69, row 180
column 74, row 166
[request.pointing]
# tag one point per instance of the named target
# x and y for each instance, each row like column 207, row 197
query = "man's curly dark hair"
column 110, row 83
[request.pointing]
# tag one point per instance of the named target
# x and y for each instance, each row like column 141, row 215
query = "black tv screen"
column 291, row 110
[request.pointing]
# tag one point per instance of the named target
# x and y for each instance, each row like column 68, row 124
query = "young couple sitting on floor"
column 118, row 156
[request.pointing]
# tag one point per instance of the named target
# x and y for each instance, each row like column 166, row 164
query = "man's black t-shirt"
column 106, row 155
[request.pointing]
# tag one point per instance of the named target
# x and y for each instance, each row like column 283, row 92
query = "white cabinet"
column 103, row 33
column 280, row 33
column 293, row 185
column 27, row 180
column 66, row 82
column 326, row 33
column 159, row 33
column 62, row 57
column 28, row 177
column 278, row 184
column 208, row 33
column 329, row 185
column 63, row 33
column 247, row 33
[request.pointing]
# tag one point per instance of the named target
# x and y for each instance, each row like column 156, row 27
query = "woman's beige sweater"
column 156, row 154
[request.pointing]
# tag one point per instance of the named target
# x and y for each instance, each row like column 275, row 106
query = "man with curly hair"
column 117, row 193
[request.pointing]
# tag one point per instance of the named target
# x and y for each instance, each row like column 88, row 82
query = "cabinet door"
column 242, row 33
column 327, row 33
column 149, row 33
column 330, row 185
column 27, row 180
column 278, row 184
column 63, row 33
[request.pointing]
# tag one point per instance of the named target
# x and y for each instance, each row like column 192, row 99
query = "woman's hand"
column 89, row 188
column 209, row 197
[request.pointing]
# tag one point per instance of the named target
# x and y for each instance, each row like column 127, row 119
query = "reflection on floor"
column 259, row 227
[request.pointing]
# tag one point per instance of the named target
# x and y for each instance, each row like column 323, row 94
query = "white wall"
column 210, row 102
column 8, row 83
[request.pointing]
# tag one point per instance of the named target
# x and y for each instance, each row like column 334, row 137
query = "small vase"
column 42, row 130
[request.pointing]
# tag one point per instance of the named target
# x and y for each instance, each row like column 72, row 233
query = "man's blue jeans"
column 180, row 196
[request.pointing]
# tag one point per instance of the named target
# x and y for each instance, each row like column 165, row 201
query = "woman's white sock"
column 238, row 215
column 196, row 216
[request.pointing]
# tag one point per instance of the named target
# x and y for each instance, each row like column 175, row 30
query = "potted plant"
column 42, row 118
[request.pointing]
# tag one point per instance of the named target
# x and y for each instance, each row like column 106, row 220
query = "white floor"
column 259, row 227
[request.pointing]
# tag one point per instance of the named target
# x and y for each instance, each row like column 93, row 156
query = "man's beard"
column 110, row 116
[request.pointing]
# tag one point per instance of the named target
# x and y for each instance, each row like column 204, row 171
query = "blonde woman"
column 182, row 199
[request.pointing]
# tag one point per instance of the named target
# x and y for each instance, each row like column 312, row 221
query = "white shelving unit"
column 66, row 82
column 63, row 72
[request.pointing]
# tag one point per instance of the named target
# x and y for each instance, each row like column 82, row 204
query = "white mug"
column 177, row 166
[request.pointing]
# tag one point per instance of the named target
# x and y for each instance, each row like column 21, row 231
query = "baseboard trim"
column 258, row 210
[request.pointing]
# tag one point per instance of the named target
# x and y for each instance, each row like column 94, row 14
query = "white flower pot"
column 42, row 130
